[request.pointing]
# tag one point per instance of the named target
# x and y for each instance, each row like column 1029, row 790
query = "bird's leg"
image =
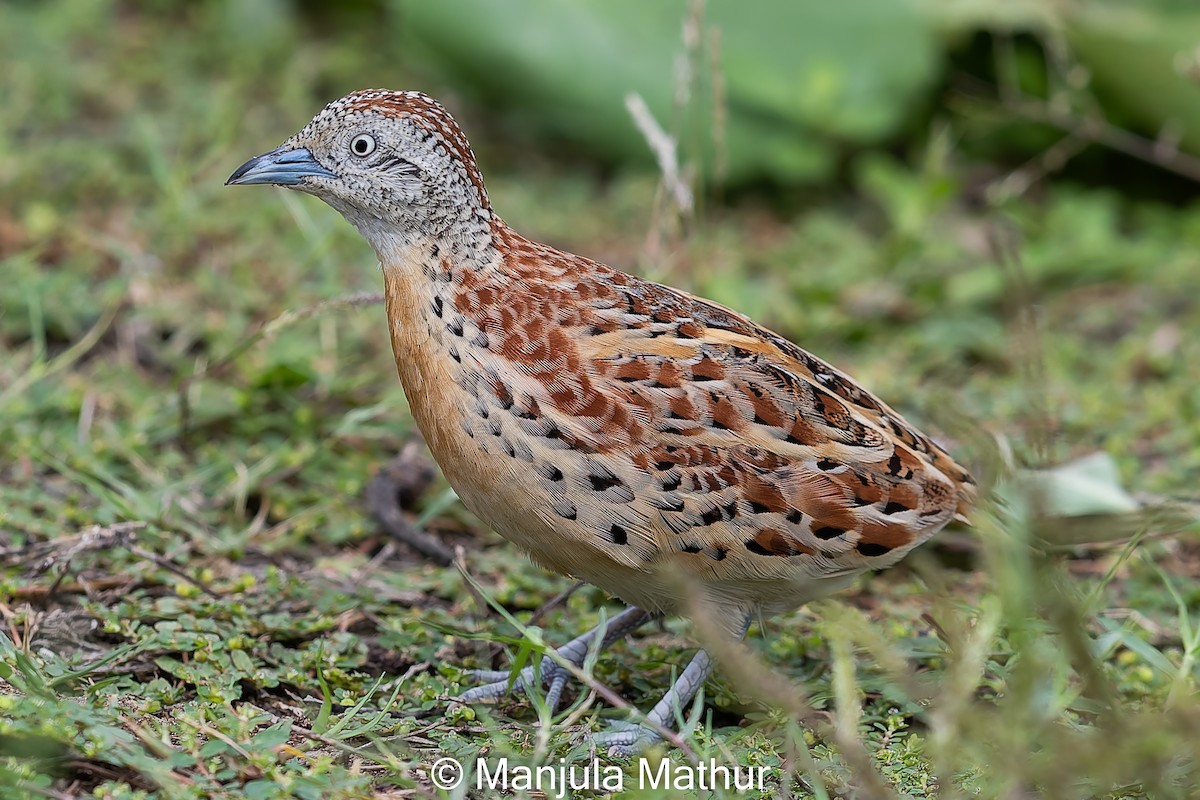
column 575, row 652
column 626, row 739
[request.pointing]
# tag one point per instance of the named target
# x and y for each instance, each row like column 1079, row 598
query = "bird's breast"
column 475, row 433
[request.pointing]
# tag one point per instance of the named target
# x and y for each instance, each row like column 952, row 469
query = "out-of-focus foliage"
column 1145, row 64
column 801, row 83
column 799, row 78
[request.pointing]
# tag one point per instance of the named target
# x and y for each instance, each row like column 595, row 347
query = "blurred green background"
column 983, row 209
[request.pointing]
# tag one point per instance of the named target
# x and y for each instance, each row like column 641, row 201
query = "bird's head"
column 393, row 163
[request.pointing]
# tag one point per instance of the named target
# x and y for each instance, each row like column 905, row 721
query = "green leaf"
column 1088, row 485
column 1134, row 54
column 800, row 77
column 274, row 735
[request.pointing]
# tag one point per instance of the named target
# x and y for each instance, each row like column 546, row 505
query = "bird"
column 650, row 442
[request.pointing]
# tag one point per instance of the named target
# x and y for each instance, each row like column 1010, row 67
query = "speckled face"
column 396, row 157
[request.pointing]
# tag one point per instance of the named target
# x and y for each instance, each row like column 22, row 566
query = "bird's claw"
column 622, row 738
column 553, row 674
column 498, row 683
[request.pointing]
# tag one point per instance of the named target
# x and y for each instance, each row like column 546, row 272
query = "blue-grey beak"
column 280, row 166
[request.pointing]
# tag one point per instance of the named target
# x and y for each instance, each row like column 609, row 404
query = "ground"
column 197, row 601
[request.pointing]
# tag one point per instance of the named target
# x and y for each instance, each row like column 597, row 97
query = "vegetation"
column 195, row 392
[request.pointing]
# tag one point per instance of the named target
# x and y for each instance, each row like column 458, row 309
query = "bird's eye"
column 362, row 145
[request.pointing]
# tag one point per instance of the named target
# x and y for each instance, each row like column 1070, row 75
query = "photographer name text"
column 561, row 779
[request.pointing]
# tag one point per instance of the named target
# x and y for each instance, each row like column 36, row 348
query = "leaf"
column 800, row 78
column 274, row 735
column 242, row 662
column 1144, row 650
column 1135, row 54
column 283, row 375
column 214, row 747
column 1086, row 486
column 261, row 790
column 321, row 723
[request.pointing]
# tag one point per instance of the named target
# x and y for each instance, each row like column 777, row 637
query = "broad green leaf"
column 1088, row 485
column 1138, row 56
column 801, row 78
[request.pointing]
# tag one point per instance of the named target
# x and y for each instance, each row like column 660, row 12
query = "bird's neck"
column 437, row 253
column 422, row 273
column 434, row 354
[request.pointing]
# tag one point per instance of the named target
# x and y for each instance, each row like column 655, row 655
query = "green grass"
column 291, row 650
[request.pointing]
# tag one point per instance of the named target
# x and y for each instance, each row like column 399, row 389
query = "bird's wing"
column 752, row 451
column 667, row 428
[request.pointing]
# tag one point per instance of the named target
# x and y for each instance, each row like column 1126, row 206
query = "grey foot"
column 554, row 676
column 496, row 683
column 628, row 738
column 623, row 739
